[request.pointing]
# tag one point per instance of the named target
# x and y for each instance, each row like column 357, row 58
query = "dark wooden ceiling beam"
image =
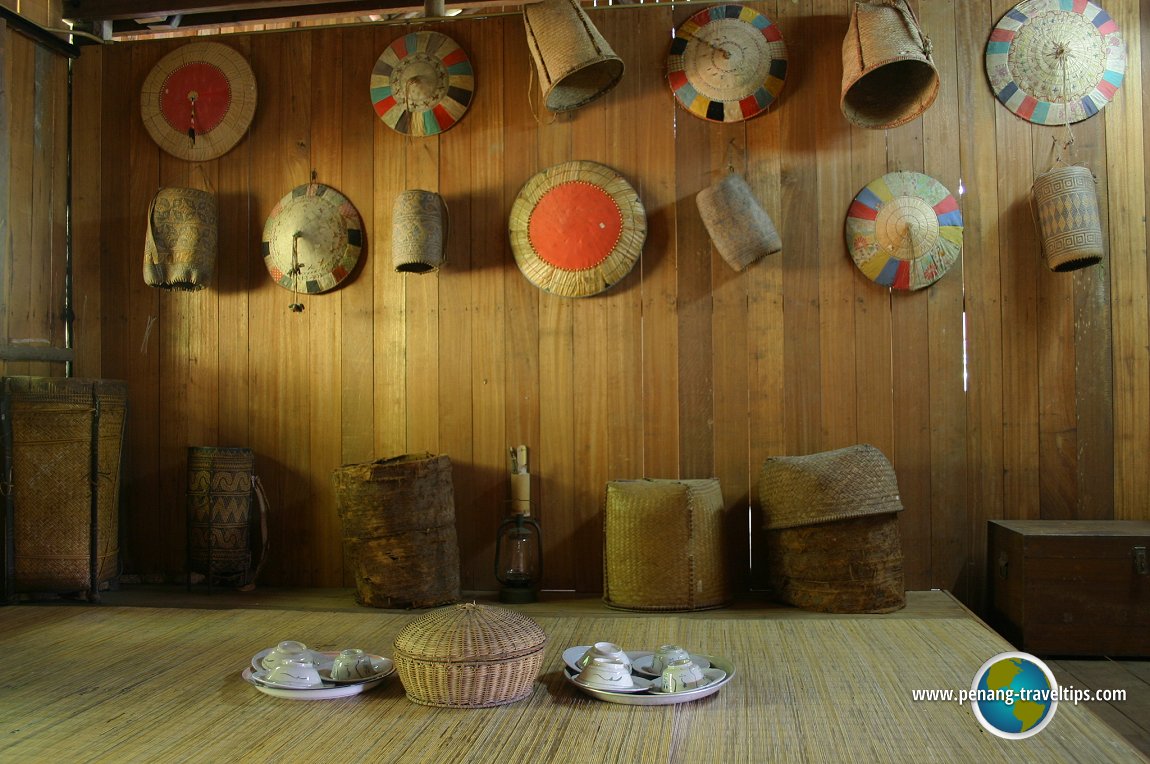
column 248, row 10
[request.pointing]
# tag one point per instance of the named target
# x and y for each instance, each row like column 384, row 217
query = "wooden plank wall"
column 1004, row 390
column 33, row 167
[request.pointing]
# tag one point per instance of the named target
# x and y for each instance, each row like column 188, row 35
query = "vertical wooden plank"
column 280, row 338
column 357, row 350
column 390, row 297
column 944, row 535
column 87, row 139
column 982, row 268
column 1127, row 188
column 1019, row 289
column 323, row 360
column 6, row 250
column 239, row 268
column 489, row 483
column 803, row 425
column 765, row 305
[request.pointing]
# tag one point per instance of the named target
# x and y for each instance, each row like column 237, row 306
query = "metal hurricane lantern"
column 519, row 540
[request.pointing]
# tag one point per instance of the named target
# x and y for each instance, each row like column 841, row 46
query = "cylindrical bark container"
column 219, row 512
column 398, row 517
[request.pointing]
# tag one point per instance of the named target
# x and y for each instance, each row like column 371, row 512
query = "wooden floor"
column 1129, row 718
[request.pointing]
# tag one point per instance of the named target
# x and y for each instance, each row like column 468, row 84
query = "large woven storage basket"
column 469, row 656
column 398, row 520
column 63, row 440
column 832, row 535
column 663, row 545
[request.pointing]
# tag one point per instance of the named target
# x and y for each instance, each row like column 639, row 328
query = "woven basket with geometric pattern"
column 1066, row 206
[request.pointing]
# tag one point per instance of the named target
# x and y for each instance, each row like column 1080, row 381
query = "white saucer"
column 641, row 684
column 383, row 667
column 712, row 675
column 643, row 665
column 572, row 655
column 315, row 693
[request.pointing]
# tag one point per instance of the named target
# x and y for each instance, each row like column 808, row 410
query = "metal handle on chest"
column 1141, row 564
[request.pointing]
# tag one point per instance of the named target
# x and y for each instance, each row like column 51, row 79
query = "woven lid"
column 832, row 485
column 727, row 63
column 1054, row 62
column 470, row 632
column 904, row 230
column 889, row 77
column 422, row 84
column 577, row 228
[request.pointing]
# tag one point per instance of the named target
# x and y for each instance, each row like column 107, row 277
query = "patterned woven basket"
column 832, row 538
column 469, row 656
column 663, row 545
column 889, row 77
column 741, row 230
column 419, row 232
column 574, row 62
column 182, row 239
column 1066, row 206
column 64, row 446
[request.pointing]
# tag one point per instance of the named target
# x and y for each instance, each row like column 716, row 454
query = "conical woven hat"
column 180, row 247
column 889, row 77
column 419, row 232
column 574, row 62
column 832, row 485
column 741, row 230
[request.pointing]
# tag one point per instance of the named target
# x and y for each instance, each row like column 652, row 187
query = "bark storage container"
column 398, row 517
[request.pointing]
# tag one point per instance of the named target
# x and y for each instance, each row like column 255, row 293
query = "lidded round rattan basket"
column 469, row 656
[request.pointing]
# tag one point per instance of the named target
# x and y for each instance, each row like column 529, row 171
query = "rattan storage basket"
column 663, row 545
column 469, row 656
column 832, row 537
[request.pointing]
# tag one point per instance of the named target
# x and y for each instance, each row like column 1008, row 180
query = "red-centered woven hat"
column 577, row 229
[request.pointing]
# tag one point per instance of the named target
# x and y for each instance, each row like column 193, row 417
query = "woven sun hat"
column 889, row 77
column 312, row 239
column 824, row 487
column 727, row 63
column 577, row 229
column 904, row 230
column 419, row 225
column 182, row 238
column 575, row 64
column 422, row 84
column 1065, row 204
column 469, row 656
column 1053, row 62
column 739, row 227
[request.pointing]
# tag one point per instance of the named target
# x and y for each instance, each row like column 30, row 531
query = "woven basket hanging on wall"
column 419, row 225
column 575, row 64
column 398, row 518
column 889, row 77
column 739, row 227
column 63, row 439
column 1065, row 202
column 182, row 239
column 833, row 542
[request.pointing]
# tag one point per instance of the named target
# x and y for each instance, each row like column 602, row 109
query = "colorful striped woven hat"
column 422, row 84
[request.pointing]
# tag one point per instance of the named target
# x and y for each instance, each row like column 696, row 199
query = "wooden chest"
column 1071, row 587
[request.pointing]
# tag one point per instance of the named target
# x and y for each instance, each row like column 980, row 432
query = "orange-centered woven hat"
column 577, row 229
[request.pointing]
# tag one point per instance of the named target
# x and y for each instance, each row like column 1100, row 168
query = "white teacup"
column 352, row 664
column 605, row 650
column 298, row 672
column 285, row 650
column 606, row 674
column 682, row 674
column 665, row 655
